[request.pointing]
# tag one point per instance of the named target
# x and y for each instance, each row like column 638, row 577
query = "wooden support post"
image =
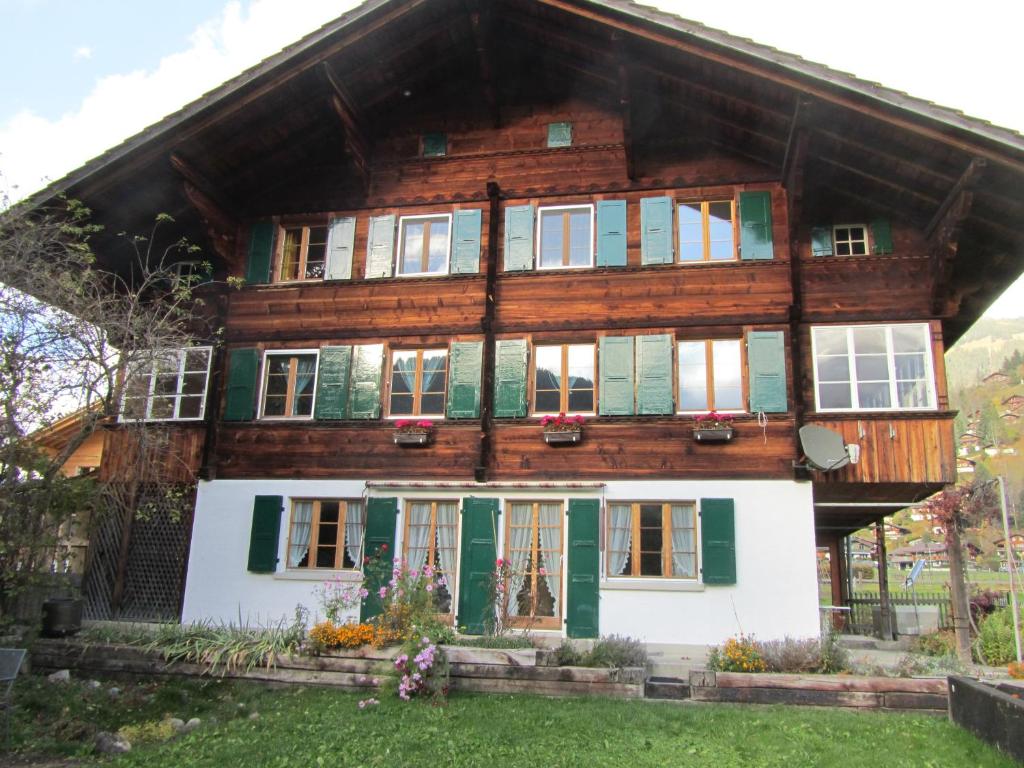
column 487, row 325
column 883, row 584
column 835, row 565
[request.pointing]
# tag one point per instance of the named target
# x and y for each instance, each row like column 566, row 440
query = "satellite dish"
column 823, row 449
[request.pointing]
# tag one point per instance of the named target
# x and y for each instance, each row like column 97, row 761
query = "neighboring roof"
column 56, row 435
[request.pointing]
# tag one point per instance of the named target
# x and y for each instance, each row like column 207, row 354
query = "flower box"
column 413, row 433
column 561, row 437
column 562, row 429
column 412, row 438
column 712, row 434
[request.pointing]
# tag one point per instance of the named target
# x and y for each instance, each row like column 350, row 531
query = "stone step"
column 666, row 688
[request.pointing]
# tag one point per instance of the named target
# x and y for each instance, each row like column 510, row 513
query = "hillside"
column 982, row 350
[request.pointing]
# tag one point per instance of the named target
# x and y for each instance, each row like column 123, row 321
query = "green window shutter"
column 465, row 368
column 611, row 233
column 476, row 565
column 341, row 243
column 332, row 382
column 821, row 241
column 559, row 134
column 510, row 378
column 378, row 540
column 881, row 236
column 265, row 533
column 466, row 242
column 616, row 366
column 380, row 246
column 240, row 403
column 718, row 541
column 519, row 238
column 656, row 230
column 364, row 386
column 654, row 375
column 261, row 250
column 581, row 613
column 755, row 225
column 766, row 361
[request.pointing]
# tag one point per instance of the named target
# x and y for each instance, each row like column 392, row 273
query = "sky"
column 80, row 76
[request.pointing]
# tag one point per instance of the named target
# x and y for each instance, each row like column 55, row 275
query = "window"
column 559, row 134
column 873, row 367
column 652, row 539
column 289, row 381
column 326, row 533
column 850, row 240
column 533, row 546
column 431, row 533
column 707, row 231
column 170, row 386
column 435, row 144
column 565, row 237
column 424, row 244
column 711, row 375
column 418, row 382
column 303, row 253
column 564, row 379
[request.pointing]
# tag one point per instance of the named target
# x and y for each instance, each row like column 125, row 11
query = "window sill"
column 317, row 574
column 652, row 585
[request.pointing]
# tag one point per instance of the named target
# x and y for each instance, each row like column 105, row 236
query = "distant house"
column 991, row 450
column 1008, row 451
column 963, row 466
column 1016, row 543
column 970, row 442
column 998, row 377
column 934, row 553
column 1010, row 417
column 861, row 549
column 1015, row 403
column 893, row 531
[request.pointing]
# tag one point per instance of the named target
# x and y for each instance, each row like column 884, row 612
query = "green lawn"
column 320, row 727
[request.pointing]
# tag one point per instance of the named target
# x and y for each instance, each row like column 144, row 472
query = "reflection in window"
column 711, row 375
column 171, row 385
column 423, row 249
column 288, row 384
column 418, row 382
column 564, row 378
column 303, row 253
column 566, row 238
column 652, row 539
column 873, row 367
column 706, row 231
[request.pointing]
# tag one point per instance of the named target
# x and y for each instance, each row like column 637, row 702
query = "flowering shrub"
column 1016, row 670
column 414, row 427
column 351, row 635
column 562, row 423
column 338, row 597
column 739, row 654
column 713, row 420
column 422, row 670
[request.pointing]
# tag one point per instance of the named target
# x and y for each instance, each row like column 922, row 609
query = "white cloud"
column 82, row 53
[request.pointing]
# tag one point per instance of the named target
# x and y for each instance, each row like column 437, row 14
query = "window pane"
column 438, row 245
column 403, row 372
column 834, row 368
column 910, row 367
column 691, row 232
column 830, row 341
column 872, row 367
column 650, row 540
column 693, row 382
column 193, row 383
column 434, row 370
column 316, row 252
column 728, row 373
column 166, row 384
column 305, row 380
column 190, row 407
column 913, row 394
column 579, row 238
column 290, row 254
column 581, row 377
column 162, row 408
column 548, row 379
column 552, row 238
column 908, row 338
column 874, row 395
column 197, row 360
column 412, row 249
column 868, row 341
column 834, row 396
column 401, row 405
column 720, row 232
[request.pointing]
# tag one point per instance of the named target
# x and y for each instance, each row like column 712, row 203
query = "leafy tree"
column 991, row 425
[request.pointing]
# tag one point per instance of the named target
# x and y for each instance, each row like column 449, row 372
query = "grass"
column 313, row 727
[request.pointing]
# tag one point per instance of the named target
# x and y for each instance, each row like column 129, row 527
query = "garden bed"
column 483, row 670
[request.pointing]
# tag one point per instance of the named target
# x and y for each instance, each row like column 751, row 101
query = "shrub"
column 808, row 655
column 351, row 635
column 567, row 656
column 863, row 572
column 1016, row 670
column 739, row 654
column 995, row 644
column 509, row 642
column 985, row 602
column 936, row 644
column 615, row 652
column 422, row 669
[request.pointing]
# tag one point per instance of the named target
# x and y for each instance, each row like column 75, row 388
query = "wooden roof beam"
column 625, row 103
column 219, row 219
column 943, row 231
column 964, row 186
column 356, row 144
column 480, row 21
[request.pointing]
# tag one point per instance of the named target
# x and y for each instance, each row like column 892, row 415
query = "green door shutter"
column 379, row 546
column 380, row 246
column 518, row 238
column 465, row 367
column 654, row 375
column 332, row 382
column 341, row 243
column 364, row 389
column 766, row 361
column 265, row 533
column 240, row 403
column 466, row 242
column 821, row 241
column 261, row 250
column 581, row 614
column 755, row 225
column 881, row 237
column 616, row 365
column 479, row 551
column 656, row 230
column 718, row 541
column 611, row 233
column 510, row 378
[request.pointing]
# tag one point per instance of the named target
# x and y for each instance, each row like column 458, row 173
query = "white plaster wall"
column 776, row 593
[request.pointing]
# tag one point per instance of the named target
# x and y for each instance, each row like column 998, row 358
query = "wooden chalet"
column 998, row 378
column 478, row 214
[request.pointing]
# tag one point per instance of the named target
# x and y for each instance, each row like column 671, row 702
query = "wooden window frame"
column 426, row 218
column 314, row 535
column 566, row 252
column 850, row 241
column 705, row 228
column 450, row 578
column 537, row 622
column 929, row 374
column 666, row 540
column 292, row 373
column 564, row 384
column 709, row 373
column 151, row 372
column 303, row 252
column 417, row 393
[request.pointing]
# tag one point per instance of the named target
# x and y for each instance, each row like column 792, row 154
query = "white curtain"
column 302, row 525
column 621, row 537
column 446, row 516
column 304, row 370
column 550, row 520
column 354, row 532
column 683, row 550
column 519, row 551
column 419, row 535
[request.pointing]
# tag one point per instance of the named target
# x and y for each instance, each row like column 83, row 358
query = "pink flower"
column 383, row 592
column 499, row 562
column 430, row 587
column 425, row 424
column 442, row 582
column 361, row 705
column 542, row 571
